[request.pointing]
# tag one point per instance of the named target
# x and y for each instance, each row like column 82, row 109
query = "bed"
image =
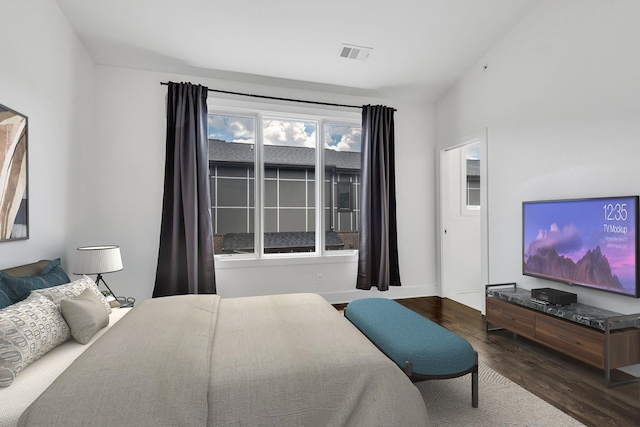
column 202, row 360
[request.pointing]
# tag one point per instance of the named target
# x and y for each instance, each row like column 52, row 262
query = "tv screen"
column 585, row 242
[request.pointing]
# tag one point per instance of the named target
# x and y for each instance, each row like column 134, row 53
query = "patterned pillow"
column 72, row 290
column 28, row 330
column 52, row 274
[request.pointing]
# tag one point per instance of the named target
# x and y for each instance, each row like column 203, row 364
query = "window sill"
column 235, row 261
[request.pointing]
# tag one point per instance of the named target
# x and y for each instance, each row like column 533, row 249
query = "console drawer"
column 579, row 342
column 512, row 317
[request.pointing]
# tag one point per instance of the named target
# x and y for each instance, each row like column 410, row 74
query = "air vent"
column 355, row 52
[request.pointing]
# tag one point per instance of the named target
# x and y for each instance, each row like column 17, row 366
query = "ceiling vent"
column 355, row 52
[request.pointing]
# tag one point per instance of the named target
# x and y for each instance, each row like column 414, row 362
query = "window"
column 266, row 185
column 473, row 182
column 471, row 178
column 345, row 197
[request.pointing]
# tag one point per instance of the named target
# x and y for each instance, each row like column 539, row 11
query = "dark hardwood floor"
column 572, row 386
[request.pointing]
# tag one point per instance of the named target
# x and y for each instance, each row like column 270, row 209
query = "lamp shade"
column 98, row 260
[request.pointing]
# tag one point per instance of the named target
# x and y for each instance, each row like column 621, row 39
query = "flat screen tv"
column 584, row 242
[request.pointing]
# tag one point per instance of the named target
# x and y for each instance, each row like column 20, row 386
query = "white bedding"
column 31, row 382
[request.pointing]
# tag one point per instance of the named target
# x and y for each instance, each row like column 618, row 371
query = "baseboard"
column 394, row 292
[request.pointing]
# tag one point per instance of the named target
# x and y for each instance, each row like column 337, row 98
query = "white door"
column 461, row 213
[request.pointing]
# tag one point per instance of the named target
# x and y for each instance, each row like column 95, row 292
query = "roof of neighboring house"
column 278, row 155
column 276, row 242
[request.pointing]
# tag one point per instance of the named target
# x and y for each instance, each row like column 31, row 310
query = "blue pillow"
column 7, row 297
column 51, row 275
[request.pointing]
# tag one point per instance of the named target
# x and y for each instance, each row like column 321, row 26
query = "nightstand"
column 126, row 301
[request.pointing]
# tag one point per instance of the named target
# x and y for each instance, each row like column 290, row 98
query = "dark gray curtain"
column 378, row 246
column 185, row 257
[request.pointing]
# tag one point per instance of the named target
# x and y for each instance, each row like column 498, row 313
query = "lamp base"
column 126, row 301
column 98, row 279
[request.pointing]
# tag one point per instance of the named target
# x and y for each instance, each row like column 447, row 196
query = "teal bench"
column 423, row 349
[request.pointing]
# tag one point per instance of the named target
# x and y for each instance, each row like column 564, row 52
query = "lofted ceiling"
column 420, row 47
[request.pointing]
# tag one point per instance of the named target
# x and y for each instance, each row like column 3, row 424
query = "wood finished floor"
column 572, row 386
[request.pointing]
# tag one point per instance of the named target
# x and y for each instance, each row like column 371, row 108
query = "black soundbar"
column 554, row 296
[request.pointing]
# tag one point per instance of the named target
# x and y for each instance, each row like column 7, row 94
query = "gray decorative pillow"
column 85, row 315
column 28, row 330
column 72, row 290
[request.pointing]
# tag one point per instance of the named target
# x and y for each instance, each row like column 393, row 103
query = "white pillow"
column 72, row 290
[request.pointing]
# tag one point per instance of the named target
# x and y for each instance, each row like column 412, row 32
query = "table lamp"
column 98, row 260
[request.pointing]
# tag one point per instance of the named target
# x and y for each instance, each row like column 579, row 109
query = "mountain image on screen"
column 592, row 269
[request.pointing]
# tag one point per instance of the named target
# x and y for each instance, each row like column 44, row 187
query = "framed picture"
column 14, row 194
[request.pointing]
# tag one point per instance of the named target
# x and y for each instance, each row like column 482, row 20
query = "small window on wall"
column 345, row 197
column 473, row 183
column 471, row 178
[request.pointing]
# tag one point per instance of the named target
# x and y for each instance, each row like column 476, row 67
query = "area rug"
column 501, row 403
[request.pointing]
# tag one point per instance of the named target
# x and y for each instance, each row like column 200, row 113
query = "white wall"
column 561, row 100
column 130, row 143
column 46, row 74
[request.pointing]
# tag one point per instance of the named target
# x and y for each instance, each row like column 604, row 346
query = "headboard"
column 32, row 269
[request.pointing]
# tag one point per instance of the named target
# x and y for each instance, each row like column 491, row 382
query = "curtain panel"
column 378, row 247
column 185, row 256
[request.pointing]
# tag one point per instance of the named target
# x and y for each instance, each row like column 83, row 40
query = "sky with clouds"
column 282, row 132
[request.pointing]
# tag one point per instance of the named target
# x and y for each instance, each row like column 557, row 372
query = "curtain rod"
column 278, row 98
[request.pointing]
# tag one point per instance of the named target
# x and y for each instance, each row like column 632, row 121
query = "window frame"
column 260, row 111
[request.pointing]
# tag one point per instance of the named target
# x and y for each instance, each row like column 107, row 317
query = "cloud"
column 339, row 137
column 292, row 134
column 232, row 129
column 565, row 241
column 242, row 130
column 342, row 138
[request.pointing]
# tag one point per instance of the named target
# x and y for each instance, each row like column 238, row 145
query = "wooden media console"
column 601, row 338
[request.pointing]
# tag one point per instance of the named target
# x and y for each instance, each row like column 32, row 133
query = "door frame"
column 480, row 136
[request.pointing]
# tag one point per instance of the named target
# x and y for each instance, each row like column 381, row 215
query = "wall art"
column 14, row 200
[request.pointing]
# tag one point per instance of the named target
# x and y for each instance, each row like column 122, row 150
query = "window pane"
column 311, row 194
column 474, row 197
column 344, row 196
column 231, row 166
column 233, row 192
column 471, row 159
column 232, row 171
column 293, row 220
column 270, row 172
column 289, row 153
column 271, row 193
column 293, row 174
column 293, row 194
column 342, row 185
column 233, row 220
column 270, row 220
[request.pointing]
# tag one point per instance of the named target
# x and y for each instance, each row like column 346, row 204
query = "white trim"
column 394, row 292
column 333, row 114
column 272, row 260
column 482, row 137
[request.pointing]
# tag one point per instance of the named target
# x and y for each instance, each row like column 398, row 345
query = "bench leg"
column 474, row 384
